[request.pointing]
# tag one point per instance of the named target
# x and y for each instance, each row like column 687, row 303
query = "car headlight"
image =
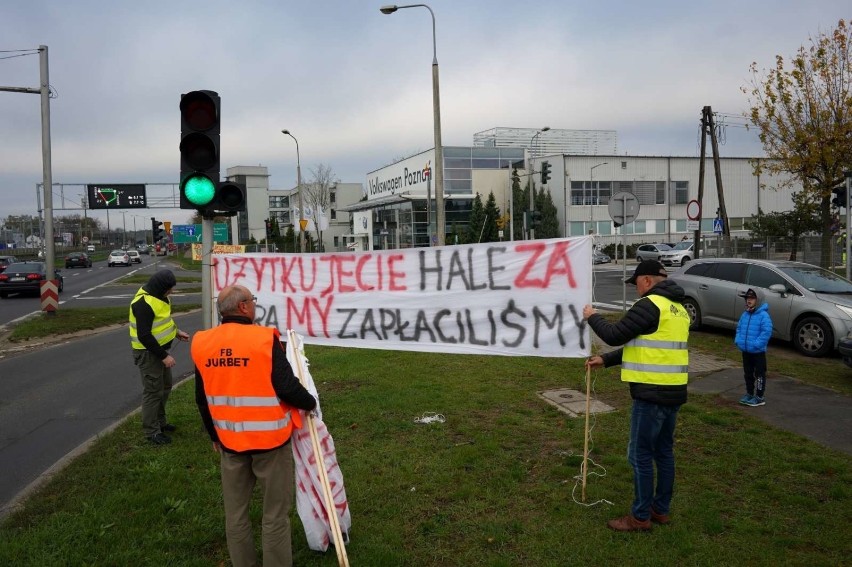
column 845, row 309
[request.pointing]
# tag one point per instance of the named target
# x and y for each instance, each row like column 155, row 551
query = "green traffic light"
column 199, row 190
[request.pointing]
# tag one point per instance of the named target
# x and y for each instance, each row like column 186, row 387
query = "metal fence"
column 808, row 249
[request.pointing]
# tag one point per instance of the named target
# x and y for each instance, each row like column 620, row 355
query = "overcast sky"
column 354, row 85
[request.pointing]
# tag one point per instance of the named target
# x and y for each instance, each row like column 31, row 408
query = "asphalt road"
column 56, row 397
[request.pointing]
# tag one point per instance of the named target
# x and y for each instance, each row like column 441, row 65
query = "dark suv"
column 809, row 306
column 78, row 259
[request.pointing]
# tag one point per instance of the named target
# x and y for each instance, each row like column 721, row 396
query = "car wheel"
column 694, row 311
column 639, row 258
column 684, row 260
column 3, row 295
column 61, row 285
column 813, row 336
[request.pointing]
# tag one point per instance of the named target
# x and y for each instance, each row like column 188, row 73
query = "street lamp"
column 436, row 111
column 299, row 181
column 591, row 189
column 532, row 204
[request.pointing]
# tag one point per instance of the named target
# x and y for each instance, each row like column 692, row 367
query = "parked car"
column 601, row 258
column 22, row 277
column 78, row 259
column 5, row 261
column 143, row 249
column 679, row 255
column 117, row 257
column 810, row 306
column 651, row 251
column 134, row 256
column 90, row 248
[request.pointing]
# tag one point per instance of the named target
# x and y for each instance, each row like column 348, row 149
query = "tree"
column 788, row 226
column 492, row 215
column 476, row 221
column 803, row 113
column 520, row 203
column 549, row 227
column 317, row 196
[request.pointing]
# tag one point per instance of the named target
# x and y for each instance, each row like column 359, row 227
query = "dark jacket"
column 642, row 319
column 287, row 387
column 157, row 286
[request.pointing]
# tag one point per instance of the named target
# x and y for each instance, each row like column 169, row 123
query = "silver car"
column 651, row 251
column 809, row 306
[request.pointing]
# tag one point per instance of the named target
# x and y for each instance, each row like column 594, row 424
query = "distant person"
column 152, row 331
column 655, row 362
column 754, row 330
column 249, row 398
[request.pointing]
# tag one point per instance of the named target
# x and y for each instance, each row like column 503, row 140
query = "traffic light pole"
column 206, row 273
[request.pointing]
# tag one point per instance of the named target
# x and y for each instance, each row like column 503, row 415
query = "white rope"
column 430, row 417
column 599, row 470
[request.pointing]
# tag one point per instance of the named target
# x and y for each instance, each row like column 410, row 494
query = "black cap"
column 750, row 293
column 647, row 268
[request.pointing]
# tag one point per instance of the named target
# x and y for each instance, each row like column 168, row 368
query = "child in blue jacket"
column 753, row 332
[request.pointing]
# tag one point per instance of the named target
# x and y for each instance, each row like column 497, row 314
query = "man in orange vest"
column 249, row 399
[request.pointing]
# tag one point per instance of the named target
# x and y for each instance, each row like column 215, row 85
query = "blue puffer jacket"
column 754, row 329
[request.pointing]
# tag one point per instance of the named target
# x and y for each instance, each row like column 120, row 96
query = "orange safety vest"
column 235, row 363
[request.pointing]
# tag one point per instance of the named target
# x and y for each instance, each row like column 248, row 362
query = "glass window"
column 333, row 214
column 486, row 163
column 661, row 192
column 332, row 197
column 604, row 227
column 661, row 226
column 456, row 174
column 639, row 227
column 456, row 152
column 818, row 280
column 697, row 269
column 763, row 277
column 456, row 162
column 680, row 225
column 681, row 192
column 485, row 152
column 458, row 185
column 577, row 228
column 730, row 271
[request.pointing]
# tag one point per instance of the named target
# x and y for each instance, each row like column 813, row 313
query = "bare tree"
column 318, row 197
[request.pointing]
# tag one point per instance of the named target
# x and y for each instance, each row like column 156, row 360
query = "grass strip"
column 492, row 485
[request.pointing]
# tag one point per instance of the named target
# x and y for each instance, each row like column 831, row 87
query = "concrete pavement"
column 819, row 414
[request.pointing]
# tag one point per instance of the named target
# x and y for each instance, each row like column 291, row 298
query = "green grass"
column 490, row 486
column 72, row 320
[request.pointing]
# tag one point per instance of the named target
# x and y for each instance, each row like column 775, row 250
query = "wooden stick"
column 328, row 496
column 585, row 467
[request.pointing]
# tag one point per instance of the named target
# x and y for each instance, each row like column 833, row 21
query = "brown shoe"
column 661, row 519
column 629, row 524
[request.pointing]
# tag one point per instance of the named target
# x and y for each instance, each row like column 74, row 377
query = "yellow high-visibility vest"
column 661, row 357
column 163, row 328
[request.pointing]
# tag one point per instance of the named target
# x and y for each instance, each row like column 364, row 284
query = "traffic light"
column 839, row 199
column 536, row 219
column 158, row 233
column 199, row 149
column 545, row 172
column 200, row 128
column 268, row 229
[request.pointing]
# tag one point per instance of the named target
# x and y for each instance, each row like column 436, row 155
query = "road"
column 54, row 397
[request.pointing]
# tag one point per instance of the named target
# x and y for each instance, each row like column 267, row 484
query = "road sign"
column 623, row 208
column 187, row 233
column 693, row 210
column 117, row 196
column 717, row 226
column 693, row 225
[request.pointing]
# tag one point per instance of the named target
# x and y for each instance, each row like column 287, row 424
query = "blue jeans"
column 652, row 441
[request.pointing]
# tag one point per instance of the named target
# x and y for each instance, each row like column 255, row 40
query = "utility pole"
column 696, row 238
column 723, row 212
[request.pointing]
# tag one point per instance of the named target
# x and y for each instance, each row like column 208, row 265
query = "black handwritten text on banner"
column 512, row 298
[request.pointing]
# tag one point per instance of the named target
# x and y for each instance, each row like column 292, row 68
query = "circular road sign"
column 623, row 207
column 693, row 210
column 85, row 239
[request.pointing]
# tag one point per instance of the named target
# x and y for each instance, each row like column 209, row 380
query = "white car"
column 134, row 256
column 679, row 255
column 117, row 257
column 651, row 251
column 90, row 248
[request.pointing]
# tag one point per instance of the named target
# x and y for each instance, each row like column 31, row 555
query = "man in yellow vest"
column 249, row 398
column 152, row 331
column 655, row 362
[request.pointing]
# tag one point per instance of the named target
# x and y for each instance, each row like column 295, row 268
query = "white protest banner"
column 520, row 298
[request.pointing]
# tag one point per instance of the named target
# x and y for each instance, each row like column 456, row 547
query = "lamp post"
column 299, row 182
column 532, row 203
column 592, row 188
column 436, row 111
column 123, row 227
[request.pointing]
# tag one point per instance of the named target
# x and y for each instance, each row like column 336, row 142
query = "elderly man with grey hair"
column 249, row 401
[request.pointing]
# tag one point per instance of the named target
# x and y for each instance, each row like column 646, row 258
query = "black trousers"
column 754, row 372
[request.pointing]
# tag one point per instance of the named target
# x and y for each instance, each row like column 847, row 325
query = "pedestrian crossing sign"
column 717, row 226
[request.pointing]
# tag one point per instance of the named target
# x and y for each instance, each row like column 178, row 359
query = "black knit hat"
column 647, row 268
